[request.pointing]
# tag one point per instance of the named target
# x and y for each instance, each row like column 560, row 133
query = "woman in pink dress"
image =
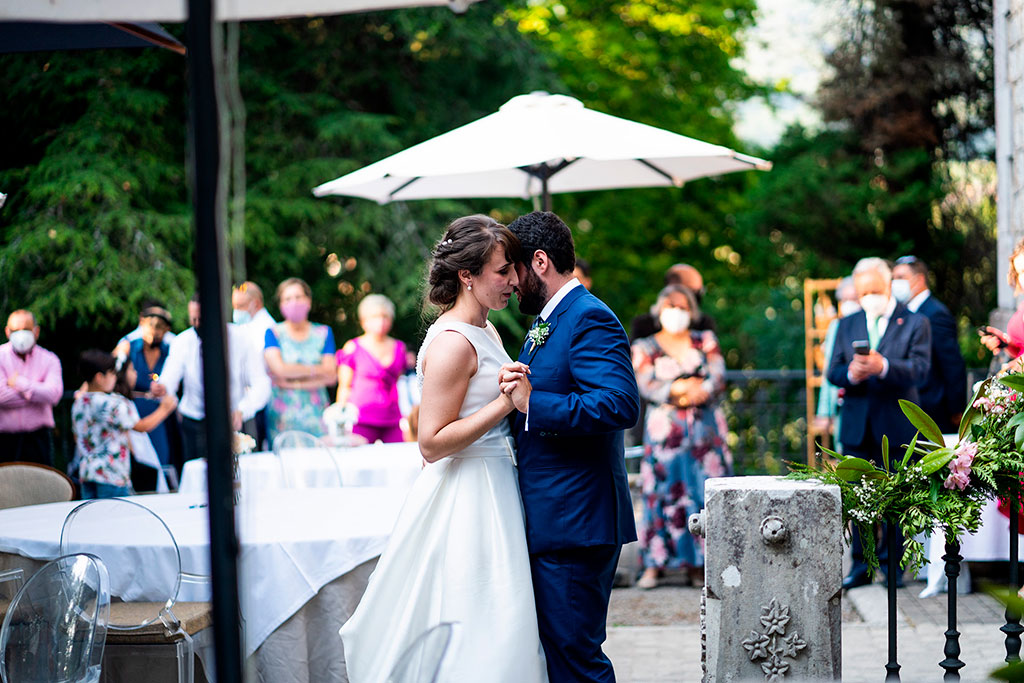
column 368, row 370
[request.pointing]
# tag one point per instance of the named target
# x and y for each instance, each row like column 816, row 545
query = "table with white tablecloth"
column 392, row 464
column 293, row 544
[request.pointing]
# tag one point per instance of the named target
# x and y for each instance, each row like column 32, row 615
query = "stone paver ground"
column 654, row 636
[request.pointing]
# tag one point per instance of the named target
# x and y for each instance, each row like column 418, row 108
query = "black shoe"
column 856, row 580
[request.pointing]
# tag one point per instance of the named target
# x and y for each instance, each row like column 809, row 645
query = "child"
column 101, row 422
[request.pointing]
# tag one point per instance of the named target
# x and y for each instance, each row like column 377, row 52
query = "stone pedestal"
column 773, row 573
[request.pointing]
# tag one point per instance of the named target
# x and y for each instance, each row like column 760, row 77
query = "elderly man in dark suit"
column 944, row 395
column 881, row 355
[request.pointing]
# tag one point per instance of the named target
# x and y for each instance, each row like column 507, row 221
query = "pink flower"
column 983, row 403
column 665, row 368
column 957, row 480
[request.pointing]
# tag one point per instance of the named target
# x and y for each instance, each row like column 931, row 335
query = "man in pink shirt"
column 30, row 385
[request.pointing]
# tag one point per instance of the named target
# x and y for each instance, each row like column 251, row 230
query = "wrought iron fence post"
column 892, row 668
column 1012, row 627
column 952, row 663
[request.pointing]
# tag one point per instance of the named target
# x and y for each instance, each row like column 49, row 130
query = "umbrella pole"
column 545, row 192
column 207, row 201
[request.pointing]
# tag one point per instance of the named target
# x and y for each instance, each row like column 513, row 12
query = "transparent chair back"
column 97, row 526
column 306, row 462
column 55, row 628
column 421, row 662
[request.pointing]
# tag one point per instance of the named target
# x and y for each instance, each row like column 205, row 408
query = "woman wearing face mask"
column 368, row 370
column 300, row 361
column 681, row 375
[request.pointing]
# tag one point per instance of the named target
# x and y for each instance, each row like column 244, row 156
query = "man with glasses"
column 944, row 395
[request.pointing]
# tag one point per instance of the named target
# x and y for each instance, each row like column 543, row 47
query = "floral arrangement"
column 538, row 335
column 930, row 484
column 242, row 443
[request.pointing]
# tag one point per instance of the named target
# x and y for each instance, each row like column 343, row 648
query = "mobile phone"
column 985, row 330
column 861, row 347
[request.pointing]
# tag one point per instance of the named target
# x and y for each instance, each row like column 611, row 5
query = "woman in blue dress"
column 147, row 354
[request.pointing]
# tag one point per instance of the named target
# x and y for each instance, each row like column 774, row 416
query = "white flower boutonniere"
column 538, row 335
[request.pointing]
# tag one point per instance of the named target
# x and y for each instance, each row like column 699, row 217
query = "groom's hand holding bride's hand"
column 514, row 383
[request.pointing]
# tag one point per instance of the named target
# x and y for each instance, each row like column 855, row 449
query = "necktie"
column 873, row 333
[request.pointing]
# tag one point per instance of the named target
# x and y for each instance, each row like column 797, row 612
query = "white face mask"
column 240, row 317
column 901, row 290
column 848, row 308
column 874, row 304
column 23, row 341
column 674, row 320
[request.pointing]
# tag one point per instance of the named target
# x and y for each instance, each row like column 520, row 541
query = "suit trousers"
column 572, row 588
column 35, row 446
column 873, row 453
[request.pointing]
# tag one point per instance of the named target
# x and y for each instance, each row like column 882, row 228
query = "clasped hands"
column 514, row 383
column 688, row 391
column 865, row 366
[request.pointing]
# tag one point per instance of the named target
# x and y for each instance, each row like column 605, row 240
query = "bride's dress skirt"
column 457, row 554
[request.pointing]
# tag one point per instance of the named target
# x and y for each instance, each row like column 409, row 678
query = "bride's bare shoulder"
column 449, row 355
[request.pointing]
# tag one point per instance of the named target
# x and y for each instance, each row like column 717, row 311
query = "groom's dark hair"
column 545, row 231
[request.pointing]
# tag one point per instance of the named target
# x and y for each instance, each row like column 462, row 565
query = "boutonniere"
column 899, row 321
column 538, row 335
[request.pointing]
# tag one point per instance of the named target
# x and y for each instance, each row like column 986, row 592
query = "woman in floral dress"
column 681, row 375
column 300, row 360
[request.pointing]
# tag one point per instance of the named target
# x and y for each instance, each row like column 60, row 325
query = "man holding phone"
column 882, row 354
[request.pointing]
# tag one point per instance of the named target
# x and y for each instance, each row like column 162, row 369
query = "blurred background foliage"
column 98, row 217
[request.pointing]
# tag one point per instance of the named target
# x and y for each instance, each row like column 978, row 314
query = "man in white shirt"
column 251, row 315
column 249, row 390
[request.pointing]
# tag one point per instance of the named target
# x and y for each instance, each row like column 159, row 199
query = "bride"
column 458, row 550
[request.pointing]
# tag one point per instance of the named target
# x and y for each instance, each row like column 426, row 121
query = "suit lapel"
column 896, row 321
column 567, row 301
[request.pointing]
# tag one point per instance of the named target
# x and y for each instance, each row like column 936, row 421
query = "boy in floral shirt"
column 101, row 421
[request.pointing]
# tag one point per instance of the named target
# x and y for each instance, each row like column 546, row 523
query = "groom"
column 569, row 439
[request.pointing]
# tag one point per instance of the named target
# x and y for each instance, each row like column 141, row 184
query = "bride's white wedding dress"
column 457, row 554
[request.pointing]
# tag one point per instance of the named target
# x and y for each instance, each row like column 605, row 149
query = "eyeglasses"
column 907, row 260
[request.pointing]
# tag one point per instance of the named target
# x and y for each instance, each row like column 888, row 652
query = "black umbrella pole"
column 207, row 198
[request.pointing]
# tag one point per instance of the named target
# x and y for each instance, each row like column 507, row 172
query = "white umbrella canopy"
column 177, row 10
column 536, row 140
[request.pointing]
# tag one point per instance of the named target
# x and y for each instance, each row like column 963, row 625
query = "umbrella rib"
column 401, row 187
column 659, row 171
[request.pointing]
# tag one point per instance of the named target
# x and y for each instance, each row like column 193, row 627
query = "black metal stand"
column 1012, row 627
column 952, row 663
column 207, row 199
column 892, row 668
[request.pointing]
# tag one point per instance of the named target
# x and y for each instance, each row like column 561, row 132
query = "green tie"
column 873, row 333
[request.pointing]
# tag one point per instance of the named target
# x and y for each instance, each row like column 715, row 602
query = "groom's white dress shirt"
column 545, row 313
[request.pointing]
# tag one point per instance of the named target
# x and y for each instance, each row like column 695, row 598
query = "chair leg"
column 186, row 659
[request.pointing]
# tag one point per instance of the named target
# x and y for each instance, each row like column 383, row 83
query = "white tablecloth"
column 293, row 543
column 393, row 464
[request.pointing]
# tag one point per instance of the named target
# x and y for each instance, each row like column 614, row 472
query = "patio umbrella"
column 538, row 145
column 39, row 36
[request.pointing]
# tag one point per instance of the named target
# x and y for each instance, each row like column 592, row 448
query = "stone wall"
column 1009, row 77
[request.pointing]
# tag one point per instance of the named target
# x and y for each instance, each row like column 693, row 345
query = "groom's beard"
column 533, row 293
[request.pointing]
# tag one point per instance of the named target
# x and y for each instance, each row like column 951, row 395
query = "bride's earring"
column 469, row 288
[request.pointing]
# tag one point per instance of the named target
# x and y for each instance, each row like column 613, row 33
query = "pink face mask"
column 295, row 311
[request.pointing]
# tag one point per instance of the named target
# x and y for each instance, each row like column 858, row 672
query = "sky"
column 788, row 43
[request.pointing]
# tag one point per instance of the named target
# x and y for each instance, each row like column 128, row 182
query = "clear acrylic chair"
column 55, row 628
column 163, row 620
column 291, row 447
column 421, row 662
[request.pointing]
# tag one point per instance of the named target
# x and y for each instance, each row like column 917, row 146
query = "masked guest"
column 252, row 318
column 147, row 353
column 944, row 395
column 30, row 385
column 369, row 368
column 828, row 417
column 881, row 355
column 300, row 358
column 681, row 376
column 137, row 332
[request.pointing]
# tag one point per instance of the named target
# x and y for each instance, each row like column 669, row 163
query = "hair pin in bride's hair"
column 447, row 241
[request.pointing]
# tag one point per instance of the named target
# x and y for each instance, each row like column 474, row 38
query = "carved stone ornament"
column 772, row 645
column 773, row 530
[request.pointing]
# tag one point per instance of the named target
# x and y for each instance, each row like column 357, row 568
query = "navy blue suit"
column 871, row 408
column 945, row 393
column 573, row 479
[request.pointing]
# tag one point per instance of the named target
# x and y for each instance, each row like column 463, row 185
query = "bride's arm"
column 450, row 362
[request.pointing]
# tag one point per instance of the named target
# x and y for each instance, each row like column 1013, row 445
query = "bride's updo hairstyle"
column 467, row 244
